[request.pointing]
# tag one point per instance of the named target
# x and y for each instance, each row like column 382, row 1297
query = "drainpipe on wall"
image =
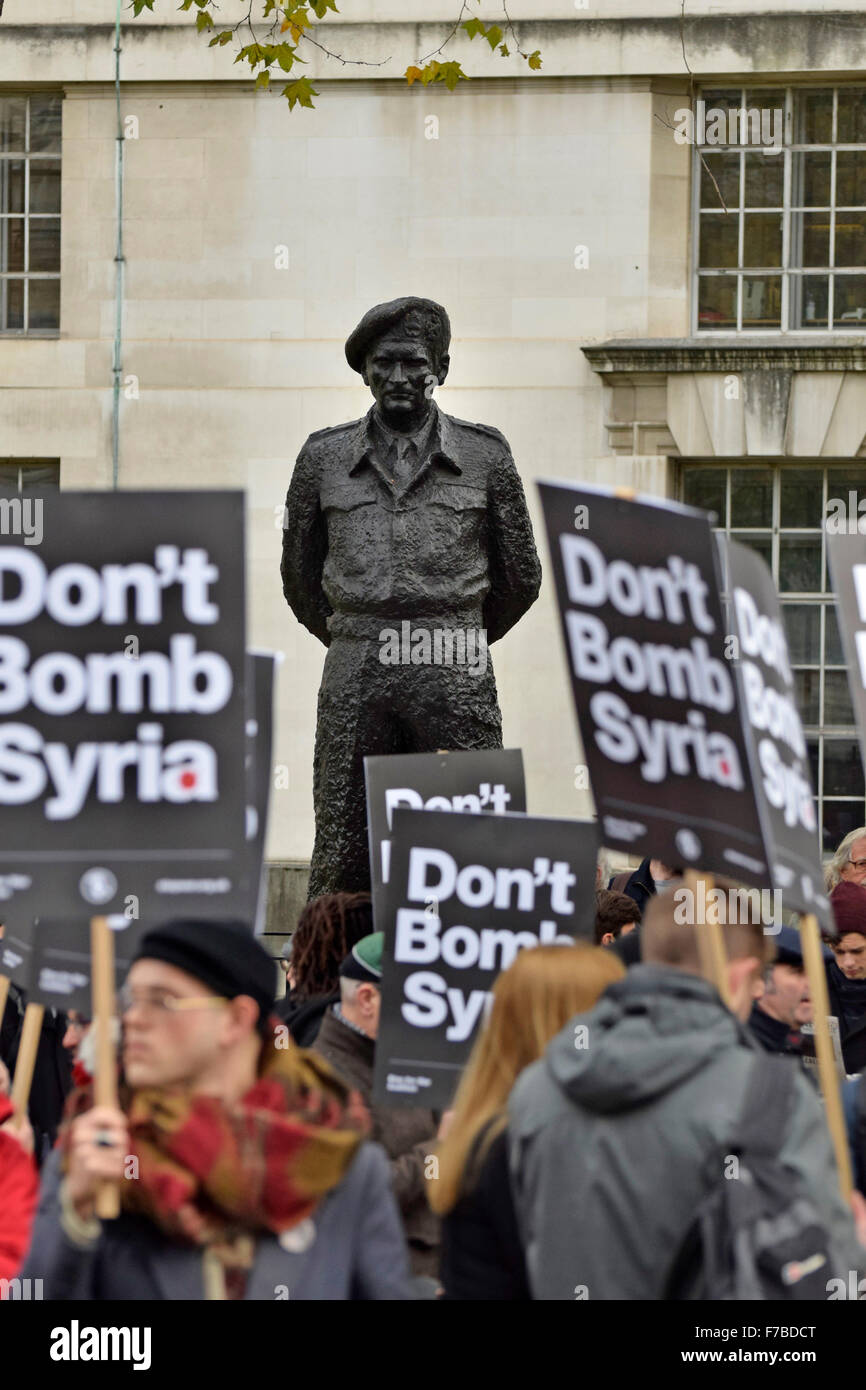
column 117, row 366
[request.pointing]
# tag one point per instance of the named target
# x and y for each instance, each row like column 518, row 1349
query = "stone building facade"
column 628, row 307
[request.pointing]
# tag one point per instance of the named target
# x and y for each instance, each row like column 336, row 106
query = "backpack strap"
column 767, row 1103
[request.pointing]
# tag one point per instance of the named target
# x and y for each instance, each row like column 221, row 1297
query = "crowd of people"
column 607, row 1092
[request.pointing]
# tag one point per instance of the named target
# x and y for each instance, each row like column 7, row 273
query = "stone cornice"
column 725, row 355
column 718, row 46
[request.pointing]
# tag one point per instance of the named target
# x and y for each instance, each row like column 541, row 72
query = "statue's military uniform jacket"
column 451, row 544
column 381, row 531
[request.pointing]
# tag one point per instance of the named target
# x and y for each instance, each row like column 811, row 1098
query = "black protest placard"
column 465, row 894
column 774, row 733
column 472, row 781
column 60, row 973
column 16, row 948
column 122, row 656
column 654, row 694
column 260, row 723
column 846, row 551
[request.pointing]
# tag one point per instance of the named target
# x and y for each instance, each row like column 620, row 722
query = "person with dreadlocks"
column 252, row 1178
column 327, row 930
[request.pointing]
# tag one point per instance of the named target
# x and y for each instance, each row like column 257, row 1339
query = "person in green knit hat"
column 347, row 1039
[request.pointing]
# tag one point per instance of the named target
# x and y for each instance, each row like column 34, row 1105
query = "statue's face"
column 401, row 374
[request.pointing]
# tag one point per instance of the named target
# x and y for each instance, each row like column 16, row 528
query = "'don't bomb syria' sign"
column 122, row 720
column 654, row 692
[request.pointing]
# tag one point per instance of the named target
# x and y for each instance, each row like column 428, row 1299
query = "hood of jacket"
column 648, row 1033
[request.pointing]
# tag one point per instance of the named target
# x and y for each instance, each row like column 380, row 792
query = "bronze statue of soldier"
column 407, row 550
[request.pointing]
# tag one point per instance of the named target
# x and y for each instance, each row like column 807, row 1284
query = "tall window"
column 780, row 180
column 778, row 510
column 29, row 212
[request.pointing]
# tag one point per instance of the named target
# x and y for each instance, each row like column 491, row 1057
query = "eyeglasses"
column 159, row 1001
column 859, row 864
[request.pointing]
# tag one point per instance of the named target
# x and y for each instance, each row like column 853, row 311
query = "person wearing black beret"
column 407, row 550
column 240, row 1161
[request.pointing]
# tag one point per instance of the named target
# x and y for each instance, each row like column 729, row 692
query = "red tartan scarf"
column 207, row 1171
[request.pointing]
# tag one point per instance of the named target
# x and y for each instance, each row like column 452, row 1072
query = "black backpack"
column 756, row 1235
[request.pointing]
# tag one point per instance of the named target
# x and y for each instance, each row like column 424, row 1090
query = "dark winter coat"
column 52, row 1082
column 357, row 1252
column 408, row 1137
column 482, row 1257
column 848, row 1004
column 772, row 1035
column 303, row 1017
column 641, row 885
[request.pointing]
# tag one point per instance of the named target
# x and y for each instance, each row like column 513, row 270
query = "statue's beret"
column 416, row 318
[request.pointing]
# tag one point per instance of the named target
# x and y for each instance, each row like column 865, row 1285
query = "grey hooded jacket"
column 353, row 1248
column 615, row 1135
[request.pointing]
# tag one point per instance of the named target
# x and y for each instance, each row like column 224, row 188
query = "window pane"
column 12, row 123
column 11, row 185
column 810, row 300
column 9, row 476
column 45, row 185
column 719, row 233
column 751, row 497
column 705, row 488
column 851, row 128
column 837, row 700
column 762, row 239
column 762, row 545
column 850, row 238
column 12, row 243
column 44, row 304
column 851, row 178
column 806, row 689
column 832, row 641
column 45, row 114
column 764, row 118
column 800, row 564
column 11, row 303
column 39, row 478
column 813, row 746
column 811, row 180
column 725, row 170
column 803, row 629
column 45, row 243
column 717, row 301
column 720, row 125
column 815, row 117
column 764, row 178
column 762, row 301
column 842, row 481
column 843, row 768
column 840, row 818
column 802, row 496
column 850, row 298
column 815, row 232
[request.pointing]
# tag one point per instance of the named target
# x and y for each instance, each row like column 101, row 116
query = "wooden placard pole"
column 4, row 994
column 711, row 945
column 816, row 975
column 31, row 1030
column 105, row 1081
